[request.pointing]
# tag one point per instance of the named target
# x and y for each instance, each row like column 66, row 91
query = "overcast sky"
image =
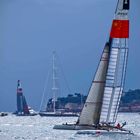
column 76, row 29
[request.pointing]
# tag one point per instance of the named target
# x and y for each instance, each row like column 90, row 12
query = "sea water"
column 41, row 128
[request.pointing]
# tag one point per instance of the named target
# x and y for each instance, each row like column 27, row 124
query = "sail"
column 25, row 106
column 19, row 97
column 117, row 63
column 92, row 108
column 22, row 107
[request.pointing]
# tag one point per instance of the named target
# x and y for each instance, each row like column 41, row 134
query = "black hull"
column 2, row 114
column 26, row 114
column 43, row 114
column 73, row 127
column 87, row 129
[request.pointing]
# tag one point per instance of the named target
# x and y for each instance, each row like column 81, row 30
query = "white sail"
column 114, row 84
column 117, row 63
column 104, row 96
column 91, row 111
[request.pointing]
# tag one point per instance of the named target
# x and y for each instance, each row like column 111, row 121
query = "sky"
column 30, row 30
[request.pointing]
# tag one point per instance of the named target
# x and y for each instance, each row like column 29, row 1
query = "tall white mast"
column 54, row 78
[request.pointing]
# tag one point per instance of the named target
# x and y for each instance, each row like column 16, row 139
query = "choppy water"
column 41, row 128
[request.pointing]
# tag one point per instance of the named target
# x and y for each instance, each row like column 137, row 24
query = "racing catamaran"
column 101, row 107
column 22, row 108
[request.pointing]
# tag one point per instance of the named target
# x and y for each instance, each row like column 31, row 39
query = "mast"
column 54, row 80
column 115, row 77
column 19, row 97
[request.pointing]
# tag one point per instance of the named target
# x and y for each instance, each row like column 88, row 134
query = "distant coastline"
column 130, row 102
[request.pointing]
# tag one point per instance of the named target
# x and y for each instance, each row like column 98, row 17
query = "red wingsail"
column 120, row 29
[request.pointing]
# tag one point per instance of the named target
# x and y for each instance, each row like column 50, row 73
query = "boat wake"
column 105, row 135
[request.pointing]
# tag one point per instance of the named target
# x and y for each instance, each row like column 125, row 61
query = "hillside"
column 130, row 102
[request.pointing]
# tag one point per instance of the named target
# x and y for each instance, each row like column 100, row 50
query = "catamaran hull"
column 103, row 132
column 91, row 130
column 57, row 115
column 73, row 127
column 26, row 114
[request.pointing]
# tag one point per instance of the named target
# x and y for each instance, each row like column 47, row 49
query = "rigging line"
column 44, row 89
column 65, row 80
